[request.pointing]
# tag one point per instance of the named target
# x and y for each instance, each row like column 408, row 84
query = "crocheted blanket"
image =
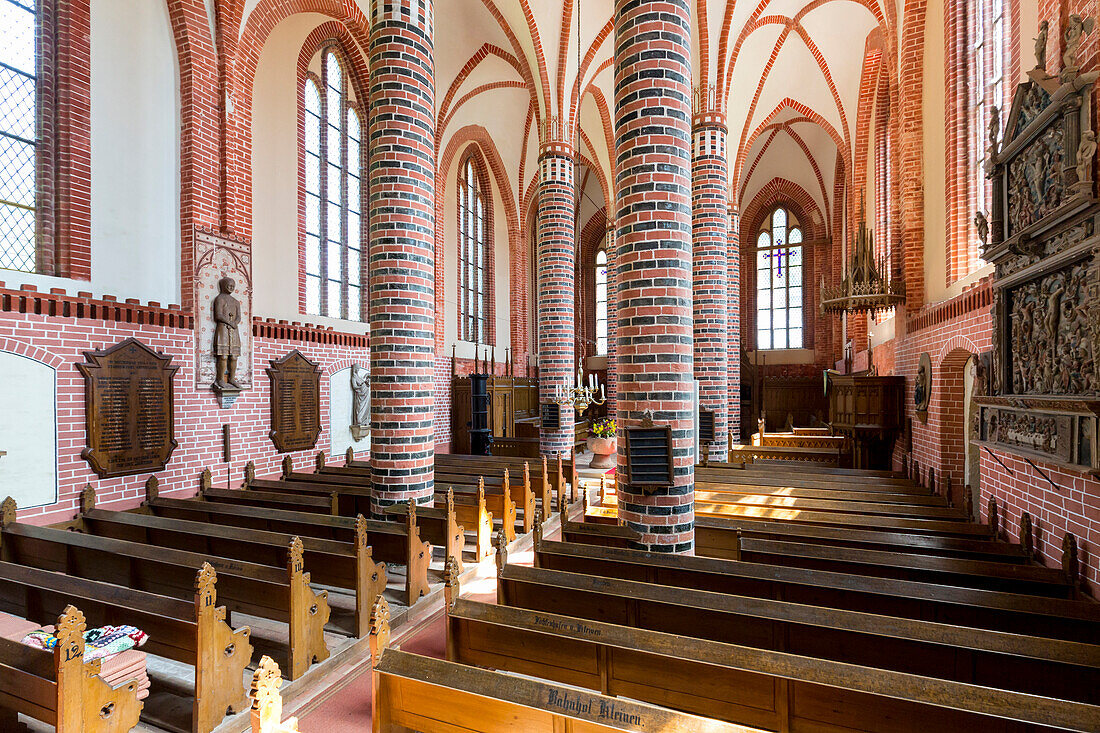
column 100, row 643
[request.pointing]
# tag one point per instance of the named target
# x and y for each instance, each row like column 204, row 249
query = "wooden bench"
column 321, row 503
column 520, row 495
column 869, row 494
column 754, row 453
column 59, row 688
column 536, row 474
column 451, row 512
column 846, row 505
column 560, row 473
column 412, row 692
column 776, row 690
column 260, row 590
column 267, row 703
column 807, row 476
column 348, row 565
column 193, row 631
column 389, row 541
column 470, row 492
column 1055, row 618
column 1030, row 664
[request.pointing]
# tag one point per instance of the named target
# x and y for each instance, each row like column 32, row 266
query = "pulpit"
column 869, row 411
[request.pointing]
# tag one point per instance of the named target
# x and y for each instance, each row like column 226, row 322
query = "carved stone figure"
column 227, row 337
column 1086, row 154
column 1076, row 29
column 922, row 390
column 982, row 225
column 994, row 130
column 1041, row 46
column 360, row 400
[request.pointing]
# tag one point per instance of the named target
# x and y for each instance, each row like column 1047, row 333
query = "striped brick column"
column 733, row 323
column 402, row 265
column 556, row 264
column 653, row 243
column 710, row 242
column 612, row 322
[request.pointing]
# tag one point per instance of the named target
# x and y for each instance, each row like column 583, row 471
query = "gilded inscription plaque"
column 295, row 403
column 128, row 405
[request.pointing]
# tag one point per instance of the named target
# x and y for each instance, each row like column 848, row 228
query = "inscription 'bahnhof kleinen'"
column 577, row 705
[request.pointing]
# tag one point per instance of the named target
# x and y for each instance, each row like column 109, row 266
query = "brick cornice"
column 59, row 304
column 269, row 328
column 975, row 298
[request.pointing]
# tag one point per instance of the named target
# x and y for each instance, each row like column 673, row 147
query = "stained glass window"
column 18, row 135
column 472, row 252
column 333, row 192
column 987, row 93
column 779, row 283
column 601, row 303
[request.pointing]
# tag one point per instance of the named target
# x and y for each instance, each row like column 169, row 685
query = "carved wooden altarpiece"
column 1043, row 388
column 295, row 403
column 128, row 409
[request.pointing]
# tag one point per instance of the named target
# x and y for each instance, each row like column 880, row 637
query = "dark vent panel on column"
column 706, row 426
column 551, row 416
column 649, row 457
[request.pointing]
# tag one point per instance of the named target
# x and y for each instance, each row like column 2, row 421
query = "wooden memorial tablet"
column 295, row 403
column 128, row 409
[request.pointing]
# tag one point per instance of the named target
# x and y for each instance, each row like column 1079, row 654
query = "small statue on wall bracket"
column 360, row 402
column 922, row 390
column 227, row 338
column 981, row 223
column 1041, row 46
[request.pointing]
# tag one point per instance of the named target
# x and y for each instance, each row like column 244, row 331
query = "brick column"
column 710, row 243
column 733, row 323
column 557, row 230
column 402, row 251
column 653, row 243
column 612, row 322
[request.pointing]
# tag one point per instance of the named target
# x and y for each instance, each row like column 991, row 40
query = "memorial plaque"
column 128, row 405
column 295, row 403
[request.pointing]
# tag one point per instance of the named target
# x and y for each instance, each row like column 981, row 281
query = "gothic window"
column 333, row 193
column 987, row 92
column 472, row 254
column 18, row 135
column 601, row 303
column 779, row 282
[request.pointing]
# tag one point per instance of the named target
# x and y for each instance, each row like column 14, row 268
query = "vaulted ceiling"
column 787, row 73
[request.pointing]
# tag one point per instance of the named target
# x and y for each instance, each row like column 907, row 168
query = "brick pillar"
column 402, row 251
column 653, row 242
column 733, row 323
column 710, row 243
column 557, row 230
column 612, row 322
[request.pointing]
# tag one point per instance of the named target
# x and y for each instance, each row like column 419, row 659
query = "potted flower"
column 603, row 444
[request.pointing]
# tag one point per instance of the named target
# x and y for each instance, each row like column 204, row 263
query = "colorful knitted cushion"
column 100, row 643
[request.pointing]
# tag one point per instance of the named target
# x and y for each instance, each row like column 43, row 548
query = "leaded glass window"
column 472, row 252
column 779, row 283
column 18, row 135
column 601, row 303
column 333, row 193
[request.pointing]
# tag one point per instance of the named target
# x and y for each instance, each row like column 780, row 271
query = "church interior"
column 652, row 365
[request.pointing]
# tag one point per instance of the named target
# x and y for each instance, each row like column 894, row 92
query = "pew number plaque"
column 128, row 406
column 295, row 403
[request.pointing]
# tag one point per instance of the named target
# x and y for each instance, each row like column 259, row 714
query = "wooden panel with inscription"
column 295, row 403
column 128, row 409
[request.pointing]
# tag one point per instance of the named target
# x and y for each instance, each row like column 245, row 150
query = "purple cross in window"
column 778, row 255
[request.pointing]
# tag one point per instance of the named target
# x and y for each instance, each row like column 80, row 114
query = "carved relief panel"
column 218, row 257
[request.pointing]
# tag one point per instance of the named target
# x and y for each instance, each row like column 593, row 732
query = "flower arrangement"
column 604, row 428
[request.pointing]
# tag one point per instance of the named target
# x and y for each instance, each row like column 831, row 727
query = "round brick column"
column 612, row 322
column 653, row 243
column 402, row 248
column 556, row 272
column 733, row 324
column 710, row 241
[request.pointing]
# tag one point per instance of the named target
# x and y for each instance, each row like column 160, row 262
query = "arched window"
column 988, row 61
column 18, row 135
column 472, row 254
column 779, row 283
column 601, row 303
column 334, row 203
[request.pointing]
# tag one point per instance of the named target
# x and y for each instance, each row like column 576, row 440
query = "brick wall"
column 57, row 329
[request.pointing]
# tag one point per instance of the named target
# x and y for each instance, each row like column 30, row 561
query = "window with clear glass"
column 18, row 135
column 334, row 196
column 601, row 303
column 779, row 283
column 472, row 253
column 987, row 93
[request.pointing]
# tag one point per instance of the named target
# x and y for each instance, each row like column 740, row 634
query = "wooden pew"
column 804, row 477
column 520, row 495
column 867, row 493
column 498, row 500
column 451, row 512
column 412, row 692
column 321, row 503
column 1055, row 618
column 1021, row 663
column 565, row 469
column 389, row 541
column 261, row 590
column 267, row 703
column 193, row 632
column 844, row 505
column 536, row 476
column 741, row 684
column 348, row 500
column 340, row 564
column 58, row 688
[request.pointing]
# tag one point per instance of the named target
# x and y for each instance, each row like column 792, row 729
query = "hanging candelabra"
column 581, row 396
